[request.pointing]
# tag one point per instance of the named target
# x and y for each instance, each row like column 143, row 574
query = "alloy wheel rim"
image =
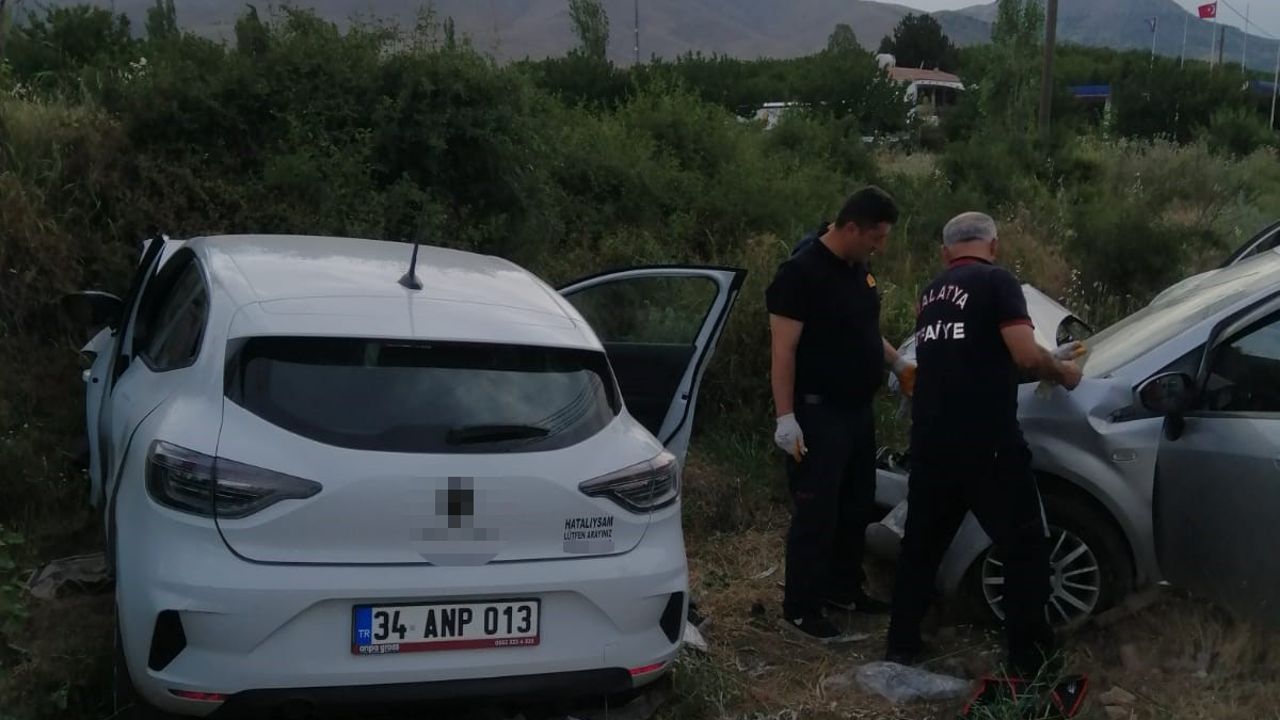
column 1075, row 579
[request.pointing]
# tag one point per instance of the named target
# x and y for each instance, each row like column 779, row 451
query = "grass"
column 1184, row 660
column 474, row 155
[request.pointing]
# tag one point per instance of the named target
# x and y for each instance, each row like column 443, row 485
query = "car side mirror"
column 1169, row 395
column 93, row 309
column 1166, row 394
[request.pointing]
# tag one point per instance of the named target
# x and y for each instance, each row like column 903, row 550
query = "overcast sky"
column 1264, row 14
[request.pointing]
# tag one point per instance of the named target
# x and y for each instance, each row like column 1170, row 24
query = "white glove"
column 789, row 437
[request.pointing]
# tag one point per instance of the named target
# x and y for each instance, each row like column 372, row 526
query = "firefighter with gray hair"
column 974, row 339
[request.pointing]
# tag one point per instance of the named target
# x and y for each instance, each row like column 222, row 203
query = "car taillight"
column 193, row 482
column 641, row 488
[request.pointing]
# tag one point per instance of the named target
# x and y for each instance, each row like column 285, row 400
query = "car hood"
column 1204, row 279
column 1187, row 286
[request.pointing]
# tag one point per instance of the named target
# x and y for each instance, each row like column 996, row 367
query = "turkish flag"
column 1209, row 11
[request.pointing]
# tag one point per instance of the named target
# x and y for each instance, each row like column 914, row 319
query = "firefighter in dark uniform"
column 973, row 338
column 828, row 360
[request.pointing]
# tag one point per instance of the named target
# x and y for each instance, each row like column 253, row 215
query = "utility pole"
column 1155, row 26
column 1046, row 69
column 1244, row 50
column 1275, row 87
column 4, row 27
column 1222, row 41
column 1182, row 59
column 1213, row 41
column 497, row 32
column 637, row 3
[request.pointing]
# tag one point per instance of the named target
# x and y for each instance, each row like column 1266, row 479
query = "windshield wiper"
column 473, row 434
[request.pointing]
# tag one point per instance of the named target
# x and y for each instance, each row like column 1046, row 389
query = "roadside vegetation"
column 568, row 166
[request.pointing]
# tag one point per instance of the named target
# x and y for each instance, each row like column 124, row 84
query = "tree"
column 59, row 42
column 162, row 21
column 4, row 26
column 450, row 34
column 591, row 26
column 842, row 40
column 1018, row 22
column 252, row 35
column 1012, row 82
column 918, row 41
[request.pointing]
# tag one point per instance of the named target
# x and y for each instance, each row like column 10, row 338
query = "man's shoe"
column 859, row 602
column 814, row 627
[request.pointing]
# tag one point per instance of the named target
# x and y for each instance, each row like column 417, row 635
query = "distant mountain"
column 984, row 13
column 1122, row 25
column 513, row 29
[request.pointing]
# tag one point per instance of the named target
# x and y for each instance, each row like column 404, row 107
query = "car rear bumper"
column 254, row 633
column 338, row 700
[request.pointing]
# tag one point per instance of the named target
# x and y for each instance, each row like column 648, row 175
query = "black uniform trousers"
column 833, row 490
column 1000, row 490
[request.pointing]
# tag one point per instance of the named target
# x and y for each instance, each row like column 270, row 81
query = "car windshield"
column 417, row 397
column 1167, row 317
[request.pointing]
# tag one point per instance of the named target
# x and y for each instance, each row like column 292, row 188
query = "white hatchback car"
column 320, row 484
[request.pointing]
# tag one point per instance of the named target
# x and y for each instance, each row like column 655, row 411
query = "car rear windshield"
column 418, row 397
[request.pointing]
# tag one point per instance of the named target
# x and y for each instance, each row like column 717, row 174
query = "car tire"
column 1074, row 524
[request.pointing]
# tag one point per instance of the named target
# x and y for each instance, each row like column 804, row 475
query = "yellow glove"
column 1070, row 351
column 1067, row 352
column 906, row 372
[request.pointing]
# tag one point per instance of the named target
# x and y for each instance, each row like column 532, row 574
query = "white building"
column 926, row 90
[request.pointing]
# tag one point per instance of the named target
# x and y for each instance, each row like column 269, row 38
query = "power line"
column 1247, row 22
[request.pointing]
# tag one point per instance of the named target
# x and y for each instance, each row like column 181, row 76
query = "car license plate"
column 381, row 629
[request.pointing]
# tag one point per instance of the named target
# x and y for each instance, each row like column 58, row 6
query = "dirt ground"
column 1176, row 658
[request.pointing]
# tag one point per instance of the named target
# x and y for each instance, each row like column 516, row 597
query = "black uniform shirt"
column 966, row 392
column 841, row 354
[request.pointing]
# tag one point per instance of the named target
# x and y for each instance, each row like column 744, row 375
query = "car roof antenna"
column 410, row 279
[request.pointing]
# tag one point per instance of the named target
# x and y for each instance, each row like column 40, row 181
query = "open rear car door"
column 659, row 326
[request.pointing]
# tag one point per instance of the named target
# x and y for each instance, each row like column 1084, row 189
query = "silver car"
column 1164, row 464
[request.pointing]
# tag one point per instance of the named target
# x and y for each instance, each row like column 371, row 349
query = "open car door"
column 659, row 326
column 112, row 354
column 1217, row 488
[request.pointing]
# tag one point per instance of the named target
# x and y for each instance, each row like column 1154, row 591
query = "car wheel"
column 1090, row 566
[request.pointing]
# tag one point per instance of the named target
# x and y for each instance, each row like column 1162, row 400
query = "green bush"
column 1237, row 131
column 300, row 127
column 565, row 166
column 12, row 608
column 998, row 166
column 1124, row 251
